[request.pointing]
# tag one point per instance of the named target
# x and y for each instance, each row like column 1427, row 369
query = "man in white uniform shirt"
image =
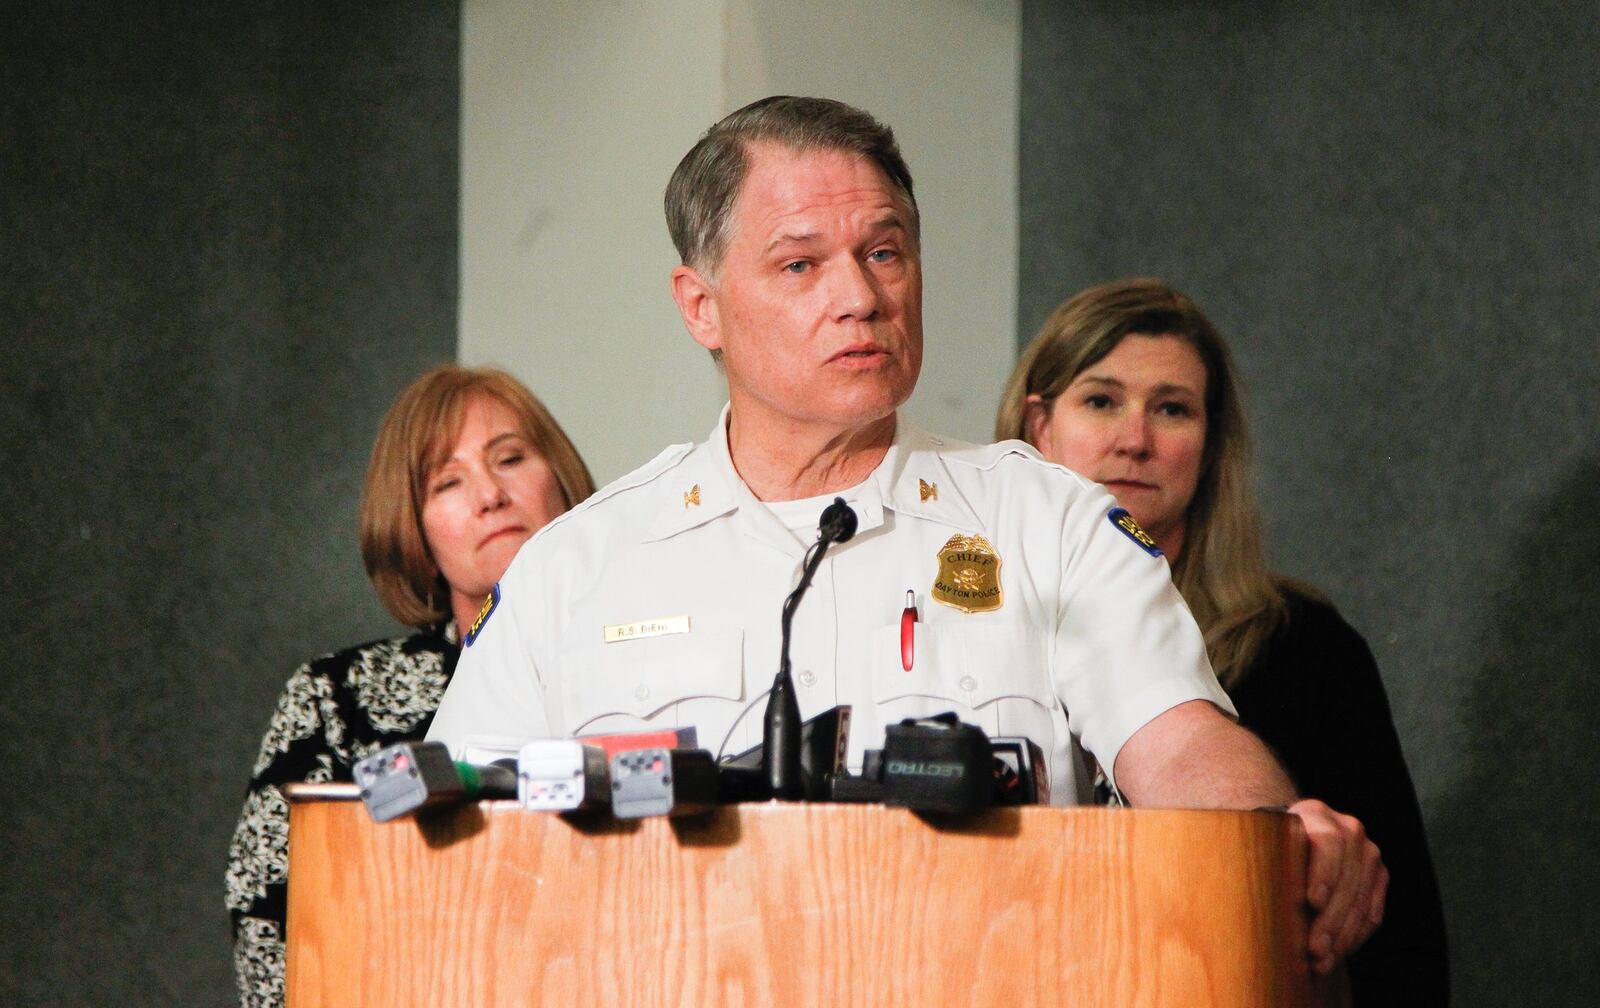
column 1042, row 609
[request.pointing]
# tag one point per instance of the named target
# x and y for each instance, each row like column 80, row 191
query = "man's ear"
column 697, row 306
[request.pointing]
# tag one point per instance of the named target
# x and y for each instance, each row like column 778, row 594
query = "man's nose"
column 855, row 292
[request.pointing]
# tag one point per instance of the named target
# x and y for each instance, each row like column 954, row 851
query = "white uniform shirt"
column 1091, row 639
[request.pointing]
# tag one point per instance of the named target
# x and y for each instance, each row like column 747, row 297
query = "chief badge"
column 969, row 575
column 1130, row 528
column 483, row 615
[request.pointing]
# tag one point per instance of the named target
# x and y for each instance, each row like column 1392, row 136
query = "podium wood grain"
column 796, row 905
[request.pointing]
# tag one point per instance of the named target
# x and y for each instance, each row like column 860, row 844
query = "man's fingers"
column 1380, row 897
column 1332, row 850
column 1360, row 922
column 1345, row 882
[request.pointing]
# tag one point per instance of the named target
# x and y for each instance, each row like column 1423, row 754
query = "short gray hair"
column 700, row 195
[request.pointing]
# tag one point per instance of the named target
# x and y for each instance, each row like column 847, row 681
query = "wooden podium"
column 782, row 904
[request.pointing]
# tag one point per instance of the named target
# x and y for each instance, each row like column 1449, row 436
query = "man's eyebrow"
column 791, row 239
column 888, row 221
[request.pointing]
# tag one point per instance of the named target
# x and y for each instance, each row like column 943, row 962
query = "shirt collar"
column 704, row 486
column 911, row 480
column 914, row 480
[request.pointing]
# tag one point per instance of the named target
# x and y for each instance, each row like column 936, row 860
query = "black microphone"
column 780, row 740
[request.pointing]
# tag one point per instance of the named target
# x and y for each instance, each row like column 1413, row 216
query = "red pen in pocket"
column 908, row 632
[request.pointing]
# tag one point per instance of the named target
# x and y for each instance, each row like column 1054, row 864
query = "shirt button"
column 808, row 678
column 968, row 684
column 642, row 692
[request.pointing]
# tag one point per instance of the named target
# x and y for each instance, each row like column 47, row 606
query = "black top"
column 1314, row 695
column 334, row 711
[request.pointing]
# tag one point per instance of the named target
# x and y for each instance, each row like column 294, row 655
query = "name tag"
column 646, row 628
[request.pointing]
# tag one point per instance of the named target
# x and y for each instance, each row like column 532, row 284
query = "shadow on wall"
column 1517, row 841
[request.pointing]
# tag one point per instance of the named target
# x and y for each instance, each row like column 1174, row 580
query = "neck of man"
column 792, row 460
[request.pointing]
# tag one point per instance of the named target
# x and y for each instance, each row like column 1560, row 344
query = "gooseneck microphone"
column 780, row 750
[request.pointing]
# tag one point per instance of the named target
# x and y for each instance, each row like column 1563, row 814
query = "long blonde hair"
column 1222, row 570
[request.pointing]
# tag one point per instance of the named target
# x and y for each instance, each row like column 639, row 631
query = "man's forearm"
column 1194, row 756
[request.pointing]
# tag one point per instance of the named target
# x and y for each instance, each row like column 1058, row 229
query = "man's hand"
column 1345, row 882
column 1193, row 756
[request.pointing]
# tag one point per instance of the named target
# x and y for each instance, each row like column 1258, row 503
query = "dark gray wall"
column 227, row 239
column 1394, row 211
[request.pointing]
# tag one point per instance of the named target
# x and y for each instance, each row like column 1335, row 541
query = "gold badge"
column 930, row 491
column 691, row 497
column 969, row 575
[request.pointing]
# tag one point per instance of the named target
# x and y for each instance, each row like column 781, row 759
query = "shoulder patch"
column 1127, row 526
column 489, row 605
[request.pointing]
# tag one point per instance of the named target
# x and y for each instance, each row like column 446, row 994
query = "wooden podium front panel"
column 796, row 905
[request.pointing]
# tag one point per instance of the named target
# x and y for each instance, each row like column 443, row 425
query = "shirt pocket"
column 992, row 674
column 618, row 687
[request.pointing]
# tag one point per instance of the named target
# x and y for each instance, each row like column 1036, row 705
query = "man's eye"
column 798, row 266
column 882, row 255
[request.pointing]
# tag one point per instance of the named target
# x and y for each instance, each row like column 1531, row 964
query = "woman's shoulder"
column 1314, row 639
column 1308, row 612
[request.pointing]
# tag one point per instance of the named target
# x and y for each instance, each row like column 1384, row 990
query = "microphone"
column 780, row 740
column 407, row 777
column 562, row 775
column 662, row 782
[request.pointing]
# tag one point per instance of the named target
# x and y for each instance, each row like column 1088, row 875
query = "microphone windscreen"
column 838, row 522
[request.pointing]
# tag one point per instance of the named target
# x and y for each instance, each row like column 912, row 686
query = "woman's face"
column 485, row 500
column 1135, row 421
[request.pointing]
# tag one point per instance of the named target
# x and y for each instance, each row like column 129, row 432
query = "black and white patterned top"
column 335, row 710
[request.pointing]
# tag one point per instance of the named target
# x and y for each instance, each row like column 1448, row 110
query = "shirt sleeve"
column 1126, row 647
column 496, row 688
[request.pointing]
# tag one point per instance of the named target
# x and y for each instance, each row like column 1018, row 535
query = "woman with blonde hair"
column 1129, row 384
column 467, row 466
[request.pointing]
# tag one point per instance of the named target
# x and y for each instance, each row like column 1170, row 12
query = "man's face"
column 817, row 302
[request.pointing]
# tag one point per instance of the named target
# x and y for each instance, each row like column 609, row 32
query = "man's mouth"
column 860, row 351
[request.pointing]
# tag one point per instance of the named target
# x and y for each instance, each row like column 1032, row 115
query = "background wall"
column 575, row 114
column 1391, row 209
column 227, row 240
column 229, row 237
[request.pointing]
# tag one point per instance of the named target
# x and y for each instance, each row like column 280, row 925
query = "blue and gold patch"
column 483, row 615
column 1130, row 528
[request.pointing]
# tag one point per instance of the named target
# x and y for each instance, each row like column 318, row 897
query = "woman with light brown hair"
column 467, row 466
column 1129, row 384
